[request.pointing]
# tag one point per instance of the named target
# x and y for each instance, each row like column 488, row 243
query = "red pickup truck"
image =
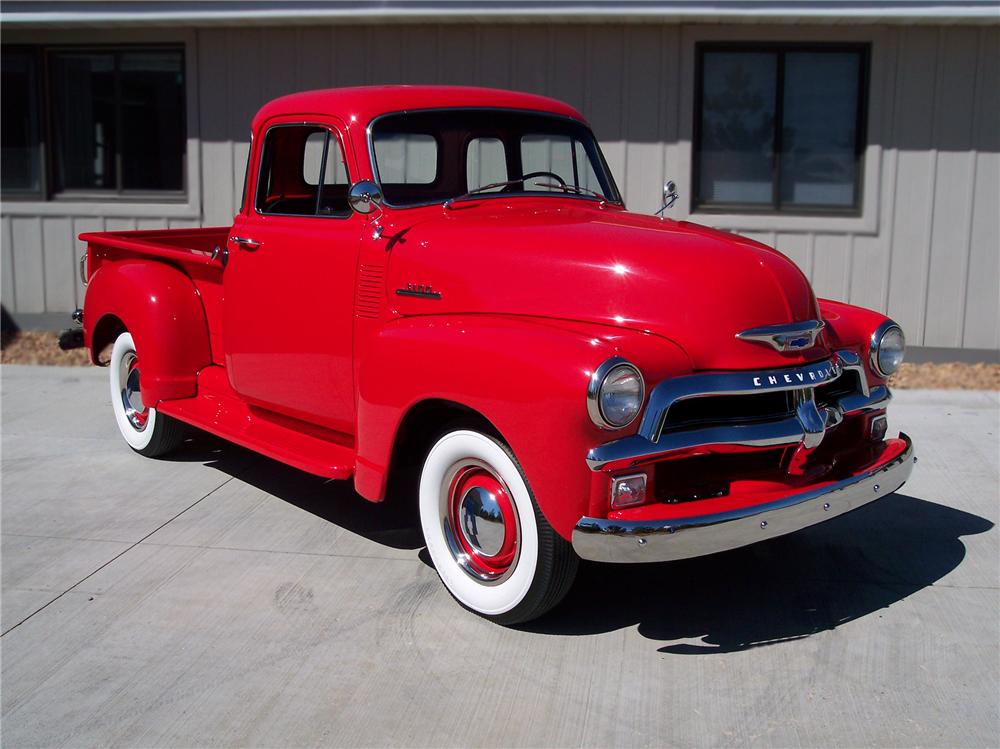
column 442, row 285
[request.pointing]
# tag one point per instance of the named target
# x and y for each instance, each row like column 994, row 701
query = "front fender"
column 851, row 327
column 527, row 376
column 160, row 306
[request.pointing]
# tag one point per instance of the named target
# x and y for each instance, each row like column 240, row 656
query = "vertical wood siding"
column 932, row 261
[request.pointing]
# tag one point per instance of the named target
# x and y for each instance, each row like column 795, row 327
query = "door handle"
column 246, row 242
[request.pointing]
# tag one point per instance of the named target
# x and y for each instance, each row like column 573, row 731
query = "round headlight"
column 888, row 347
column 615, row 394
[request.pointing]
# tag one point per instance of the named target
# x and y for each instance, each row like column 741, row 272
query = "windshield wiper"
column 494, row 185
column 573, row 188
column 483, row 188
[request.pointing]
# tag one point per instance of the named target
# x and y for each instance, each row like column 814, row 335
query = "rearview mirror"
column 365, row 197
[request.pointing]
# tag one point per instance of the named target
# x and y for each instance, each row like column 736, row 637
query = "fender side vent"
column 371, row 290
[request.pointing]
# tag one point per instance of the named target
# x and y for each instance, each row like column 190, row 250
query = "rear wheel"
column 490, row 544
column 146, row 431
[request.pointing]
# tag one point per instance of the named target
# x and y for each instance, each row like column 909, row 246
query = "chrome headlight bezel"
column 595, row 390
column 875, row 349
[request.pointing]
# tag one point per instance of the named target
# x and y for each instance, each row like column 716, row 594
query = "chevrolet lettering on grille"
column 813, row 374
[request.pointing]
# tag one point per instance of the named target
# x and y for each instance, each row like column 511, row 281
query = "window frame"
column 780, row 49
column 259, row 168
column 46, row 137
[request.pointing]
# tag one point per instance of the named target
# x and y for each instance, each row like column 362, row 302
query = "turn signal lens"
column 628, row 490
column 888, row 348
column 880, row 425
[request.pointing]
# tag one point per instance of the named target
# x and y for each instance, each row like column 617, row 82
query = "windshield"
column 438, row 155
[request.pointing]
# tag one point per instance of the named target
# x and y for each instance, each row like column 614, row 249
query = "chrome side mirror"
column 364, row 197
column 670, row 197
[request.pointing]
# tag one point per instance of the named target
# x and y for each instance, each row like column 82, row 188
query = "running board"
column 219, row 410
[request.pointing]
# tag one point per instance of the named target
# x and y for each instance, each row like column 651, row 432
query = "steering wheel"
column 532, row 175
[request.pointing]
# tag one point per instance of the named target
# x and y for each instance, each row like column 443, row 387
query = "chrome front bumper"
column 604, row 540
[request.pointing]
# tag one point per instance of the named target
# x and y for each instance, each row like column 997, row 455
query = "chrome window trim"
column 876, row 341
column 594, row 392
column 618, row 200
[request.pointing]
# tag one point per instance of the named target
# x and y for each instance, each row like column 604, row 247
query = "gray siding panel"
column 58, row 251
column 8, row 296
column 951, row 206
column 798, row 247
column 214, row 121
column 982, row 300
column 29, row 264
column 644, row 156
column 831, row 266
column 915, row 164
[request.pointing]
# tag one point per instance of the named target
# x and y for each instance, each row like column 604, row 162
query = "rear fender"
column 160, row 306
column 527, row 377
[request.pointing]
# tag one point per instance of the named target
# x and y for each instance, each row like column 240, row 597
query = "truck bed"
column 191, row 248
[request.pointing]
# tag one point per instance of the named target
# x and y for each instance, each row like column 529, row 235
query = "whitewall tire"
column 491, row 546
column 145, row 431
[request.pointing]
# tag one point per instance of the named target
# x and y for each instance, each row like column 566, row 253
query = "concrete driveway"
column 221, row 599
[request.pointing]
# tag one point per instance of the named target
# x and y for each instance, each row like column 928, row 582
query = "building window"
column 779, row 128
column 99, row 121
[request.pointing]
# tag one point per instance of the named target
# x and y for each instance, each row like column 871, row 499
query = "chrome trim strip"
column 850, row 360
column 794, row 336
column 668, row 392
column 605, row 540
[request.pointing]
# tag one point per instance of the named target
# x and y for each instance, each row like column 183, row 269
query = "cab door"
column 290, row 277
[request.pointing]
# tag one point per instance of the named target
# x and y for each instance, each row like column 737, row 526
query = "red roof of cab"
column 364, row 103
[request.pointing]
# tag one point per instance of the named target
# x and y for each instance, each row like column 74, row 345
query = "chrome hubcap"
column 479, row 521
column 131, row 392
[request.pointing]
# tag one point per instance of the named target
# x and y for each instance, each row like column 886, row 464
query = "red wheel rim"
column 483, row 522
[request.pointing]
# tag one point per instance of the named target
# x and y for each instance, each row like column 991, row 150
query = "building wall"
column 926, row 248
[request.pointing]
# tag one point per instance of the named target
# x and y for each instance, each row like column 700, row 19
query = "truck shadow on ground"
column 781, row 590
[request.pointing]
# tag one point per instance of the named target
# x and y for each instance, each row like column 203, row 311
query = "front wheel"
column 146, row 431
column 490, row 544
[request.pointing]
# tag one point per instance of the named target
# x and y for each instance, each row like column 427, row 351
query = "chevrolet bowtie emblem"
column 787, row 336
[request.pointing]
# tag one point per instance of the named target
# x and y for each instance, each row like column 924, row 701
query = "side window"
column 406, row 158
column 302, row 173
column 485, row 163
column 556, row 154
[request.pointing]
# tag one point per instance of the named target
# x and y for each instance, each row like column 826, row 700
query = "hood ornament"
column 795, row 336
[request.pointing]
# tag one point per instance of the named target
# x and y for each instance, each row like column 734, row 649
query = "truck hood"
column 574, row 260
